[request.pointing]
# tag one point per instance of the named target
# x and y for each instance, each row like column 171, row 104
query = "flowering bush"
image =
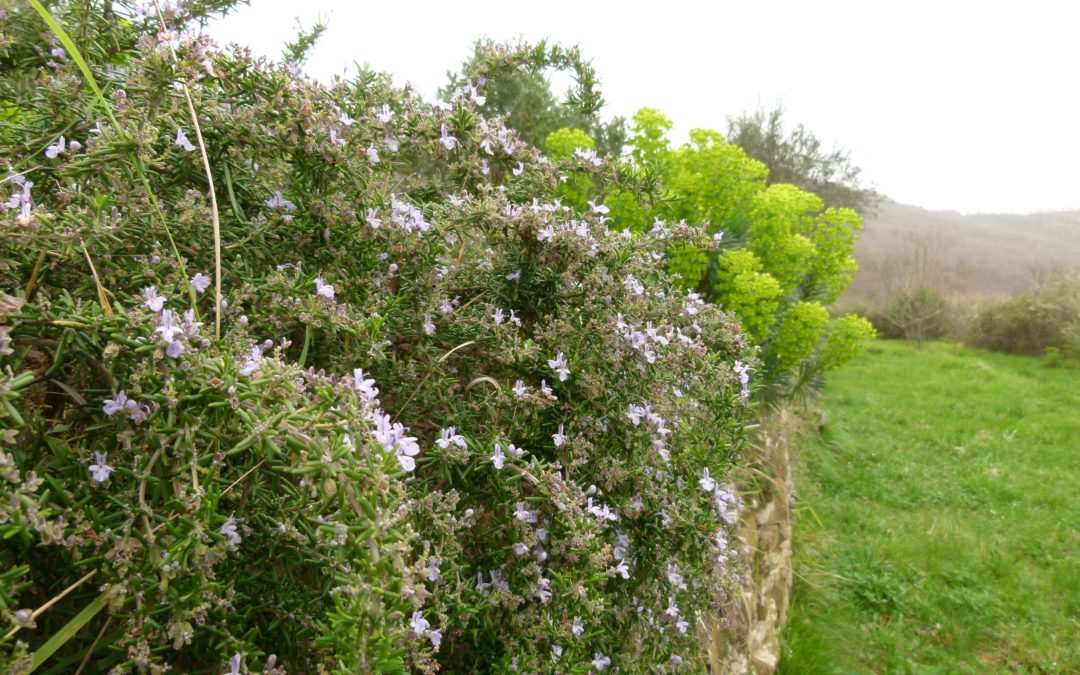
column 436, row 420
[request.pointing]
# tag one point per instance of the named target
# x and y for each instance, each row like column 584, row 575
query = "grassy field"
column 939, row 521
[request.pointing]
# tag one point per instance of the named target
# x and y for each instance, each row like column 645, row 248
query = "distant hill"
column 984, row 254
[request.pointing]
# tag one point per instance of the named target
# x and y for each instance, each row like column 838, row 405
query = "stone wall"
column 747, row 638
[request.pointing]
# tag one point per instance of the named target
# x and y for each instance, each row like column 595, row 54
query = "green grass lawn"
column 939, row 520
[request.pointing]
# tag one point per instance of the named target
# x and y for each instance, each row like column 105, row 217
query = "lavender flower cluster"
column 448, row 423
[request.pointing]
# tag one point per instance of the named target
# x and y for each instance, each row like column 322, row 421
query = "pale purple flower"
column 718, row 237
column 683, row 625
column 633, row 285
column 622, row 545
column 279, row 202
column 448, row 141
column 600, row 511
column 742, row 371
column 435, row 636
column 707, row 483
column 429, row 327
column 634, row 413
column 519, row 389
column 576, row 628
column 372, row 154
column 673, row 576
column 364, row 386
column 498, row 317
column 433, row 569
column 345, row 119
column 484, row 168
column 337, row 140
column 100, row 469
column 182, row 141
column 543, row 590
column 519, row 170
column 515, row 451
column 474, row 94
column 391, row 143
column 546, row 390
column 498, row 459
column 418, row 623
column 672, row 609
column 168, row 327
column 601, row 662
column 560, row 366
column 229, row 531
column 153, row 301
column 622, row 570
column 588, row 155
column 118, row 404
column 457, row 201
column 253, row 362
column 373, row 219
column 393, row 439
column 514, row 276
column 599, row 208
column 55, row 149
column 234, row 664
column 559, row 437
column 481, row 585
column 58, row 52
column 200, row 282
column 522, row 513
column 174, row 349
column 450, row 436
column 323, row 289
column 385, row 116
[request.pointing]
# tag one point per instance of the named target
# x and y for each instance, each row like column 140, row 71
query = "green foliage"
column 296, row 52
column 562, row 143
column 798, row 334
column 578, row 186
column 935, row 533
column 688, row 263
column 445, row 426
column 649, row 143
column 743, row 289
column 845, row 340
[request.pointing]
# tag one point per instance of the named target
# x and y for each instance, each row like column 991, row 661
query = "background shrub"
column 436, row 420
column 1046, row 317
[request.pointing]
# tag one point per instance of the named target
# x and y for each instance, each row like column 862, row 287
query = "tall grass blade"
column 70, row 629
column 210, row 182
column 84, row 68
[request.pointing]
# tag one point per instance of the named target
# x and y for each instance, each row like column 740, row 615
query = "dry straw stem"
column 41, row 610
column 34, row 275
column 209, row 181
column 90, row 652
column 102, row 298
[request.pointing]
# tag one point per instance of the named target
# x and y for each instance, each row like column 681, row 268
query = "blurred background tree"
column 798, row 157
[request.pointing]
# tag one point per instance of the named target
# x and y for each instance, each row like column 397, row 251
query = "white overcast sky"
column 973, row 106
